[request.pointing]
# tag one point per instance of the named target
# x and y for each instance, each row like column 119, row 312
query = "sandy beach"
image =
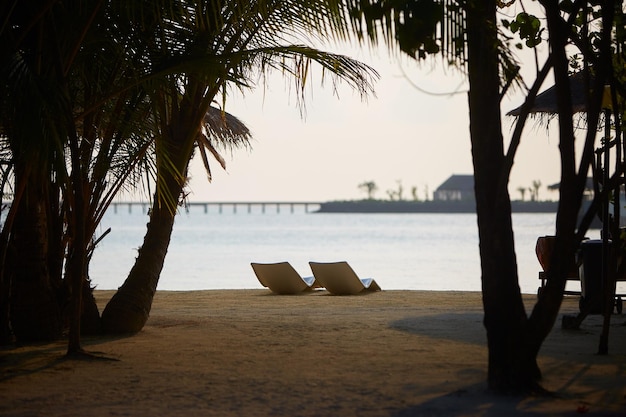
column 252, row 353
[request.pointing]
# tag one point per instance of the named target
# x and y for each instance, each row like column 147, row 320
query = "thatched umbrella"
column 545, row 102
column 589, row 185
column 545, row 105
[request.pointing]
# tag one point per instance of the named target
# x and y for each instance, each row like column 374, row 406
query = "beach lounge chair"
column 282, row 278
column 340, row 279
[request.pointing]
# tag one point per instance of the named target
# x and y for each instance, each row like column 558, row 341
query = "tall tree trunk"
column 129, row 309
column 34, row 308
column 505, row 318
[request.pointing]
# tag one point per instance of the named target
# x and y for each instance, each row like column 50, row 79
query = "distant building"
column 456, row 188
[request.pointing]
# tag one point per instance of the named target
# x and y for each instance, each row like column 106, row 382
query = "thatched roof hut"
column 456, row 187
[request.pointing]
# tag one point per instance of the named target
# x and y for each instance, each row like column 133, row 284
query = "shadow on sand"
column 477, row 401
column 36, row 357
column 577, row 368
column 438, row 326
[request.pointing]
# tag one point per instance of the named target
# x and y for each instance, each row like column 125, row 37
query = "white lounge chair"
column 282, row 278
column 340, row 279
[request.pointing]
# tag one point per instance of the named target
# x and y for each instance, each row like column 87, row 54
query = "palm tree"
column 66, row 154
column 535, row 190
column 92, row 117
column 370, row 188
column 228, row 44
column 32, row 68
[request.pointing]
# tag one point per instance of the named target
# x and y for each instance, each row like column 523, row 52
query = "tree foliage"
column 102, row 95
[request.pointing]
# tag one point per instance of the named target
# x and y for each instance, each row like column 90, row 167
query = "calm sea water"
column 401, row 251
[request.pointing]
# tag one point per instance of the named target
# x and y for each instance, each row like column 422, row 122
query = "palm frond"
column 222, row 130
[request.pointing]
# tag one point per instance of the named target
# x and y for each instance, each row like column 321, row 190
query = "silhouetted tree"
column 470, row 36
column 534, row 194
column 370, row 188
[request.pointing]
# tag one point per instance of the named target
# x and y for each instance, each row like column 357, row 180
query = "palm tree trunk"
column 34, row 308
column 128, row 310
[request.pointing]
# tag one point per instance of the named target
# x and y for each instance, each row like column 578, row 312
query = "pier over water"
column 230, row 206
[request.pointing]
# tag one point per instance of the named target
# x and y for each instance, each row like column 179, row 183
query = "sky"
column 413, row 132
